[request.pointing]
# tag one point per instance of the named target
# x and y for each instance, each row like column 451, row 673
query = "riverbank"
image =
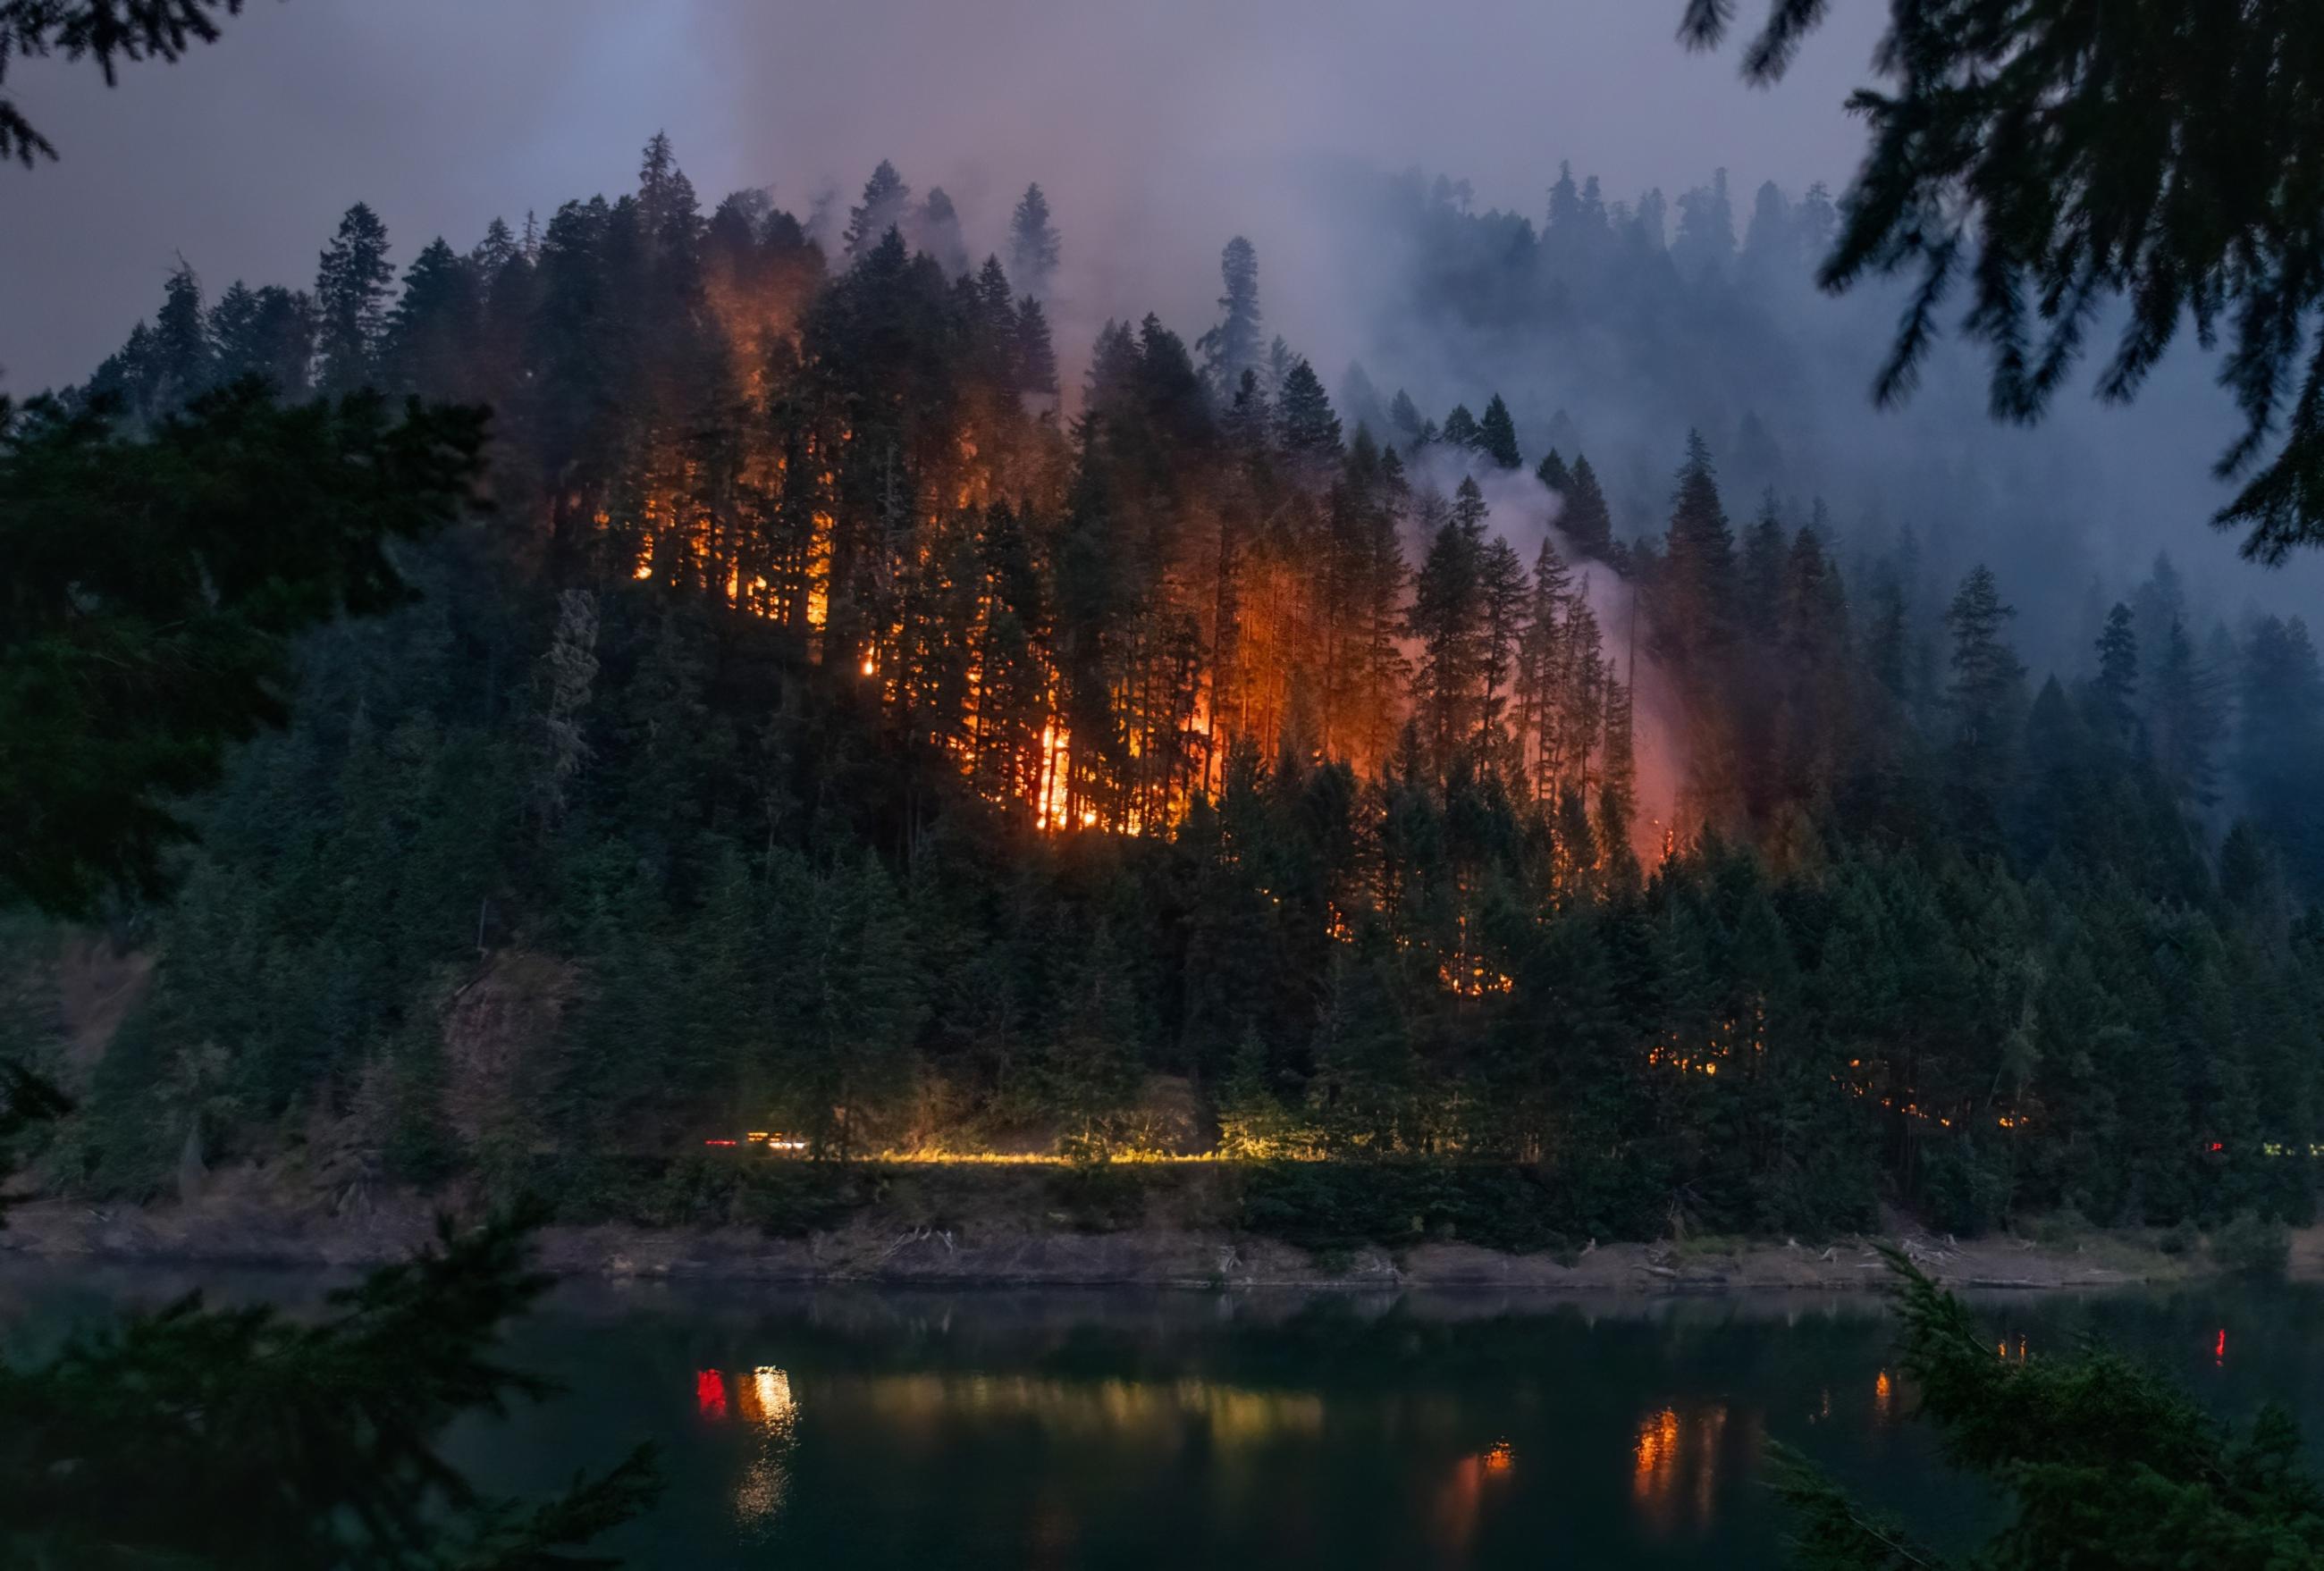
column 243, row 1220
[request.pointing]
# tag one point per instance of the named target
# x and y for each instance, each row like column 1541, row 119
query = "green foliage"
column 1337, row 1205
column 770, row 761
column 2251, row 1246
column 153, row 583
column 2103, row 1463
column 107, row 32
column 228, row 1437
column 2060, row 166
column 1104, row 1197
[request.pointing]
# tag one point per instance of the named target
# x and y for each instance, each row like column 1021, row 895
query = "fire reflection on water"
column 1677, row 1458
column 760, row 1400
column 1674, row 1463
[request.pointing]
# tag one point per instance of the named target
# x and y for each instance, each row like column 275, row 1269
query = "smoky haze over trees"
column 829, row 731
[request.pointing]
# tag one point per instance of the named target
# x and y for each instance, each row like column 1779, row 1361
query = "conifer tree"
column 432, row 332
column 1232, row 347
column 267, row 333
column 2279, row 745
column 1036, row 359
column 107, row 32
column 1497, row 435
column 886, row 199
column 2118, row 683
column 937, row 231
column 2184, row 718
column 1765, row 547
column 1553, row 473
column 1502, row 592
column 1696, row 613
column 1949, row 177
column 2102, row 1461
column 1360, row 400
column 495, row 250
column 1460, row 430
column 1564, row 215
column 1540, row 672
column 1033, row 247
column 1310, row 430
column 1585, row 519
column 154, row 584
column 1986, row 697
column 1767, row 242
column 351, row 302
column 1448, row 623
column 184, row 357
column 1404, row 419
column 1706, row 230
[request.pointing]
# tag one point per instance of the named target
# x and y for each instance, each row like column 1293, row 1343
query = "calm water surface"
column 991, row 1428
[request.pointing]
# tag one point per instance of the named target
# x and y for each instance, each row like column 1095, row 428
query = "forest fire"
column 1385, row 784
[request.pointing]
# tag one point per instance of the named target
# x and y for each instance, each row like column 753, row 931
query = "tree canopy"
column 2061, row 160
column 108, row 31
column 154, row 581
column 2103, row 1462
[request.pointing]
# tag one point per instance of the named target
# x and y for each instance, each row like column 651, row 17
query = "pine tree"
column 1310, row 430
column 1765, row 547
column 432, row 332
column 268, row 332
column 1946, row 138
column 2101, row 1460
column 1460, row 430
column 1503, row 593
column 1033, row 246
column 1404, row 419
column 1696, row 613
column 1232, row 347
column 1553, row 473
column 1091, row 1072
column 184, row 359
column 1767, row 243
column 1565, row 215
column 669, row 214
column 1036, row 359
column 1540, row 672
column 1448, row 622
column 351, row 302
column 2118, row 683
column 937, row 231
column 2279, row 745
column 1585, row 519
column 2185, row 720
column 1497, row 435
column 1706, row 230
column 1361, row 401
column 495, row 250
column 886, row 198
column 155, row 584
column 1986, row 697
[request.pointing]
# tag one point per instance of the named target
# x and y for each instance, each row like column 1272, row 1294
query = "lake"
column 871, row 1429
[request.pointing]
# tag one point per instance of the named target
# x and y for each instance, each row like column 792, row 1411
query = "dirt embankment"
column 242, row 1220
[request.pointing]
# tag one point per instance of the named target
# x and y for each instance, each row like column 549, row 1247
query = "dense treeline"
column 825, row 731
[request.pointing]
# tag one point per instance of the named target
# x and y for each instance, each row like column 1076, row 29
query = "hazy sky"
column 1146, row 122
column 1158, row 128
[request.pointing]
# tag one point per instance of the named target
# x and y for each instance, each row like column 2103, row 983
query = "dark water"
column 990, row 1428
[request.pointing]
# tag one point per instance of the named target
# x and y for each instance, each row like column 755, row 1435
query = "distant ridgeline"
column 827, row 733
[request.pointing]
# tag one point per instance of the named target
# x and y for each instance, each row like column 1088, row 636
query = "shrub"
column 1102, row 1197
column 1344, row 1205
column 2182, row 1239
column 2250, row 1244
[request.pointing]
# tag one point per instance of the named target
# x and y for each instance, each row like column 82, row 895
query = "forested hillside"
column 837, row 725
